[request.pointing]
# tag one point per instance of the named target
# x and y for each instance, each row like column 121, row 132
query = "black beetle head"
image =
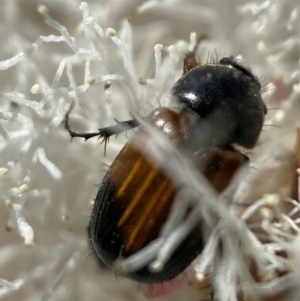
column 227, row 97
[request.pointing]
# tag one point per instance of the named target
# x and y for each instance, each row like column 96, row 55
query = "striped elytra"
column 217, row 106
column 135, row 197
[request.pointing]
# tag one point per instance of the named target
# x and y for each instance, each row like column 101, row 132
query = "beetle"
column 218, row 105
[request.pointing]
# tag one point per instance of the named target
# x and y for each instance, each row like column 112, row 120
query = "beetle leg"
column 190, row 60
column 105, row 132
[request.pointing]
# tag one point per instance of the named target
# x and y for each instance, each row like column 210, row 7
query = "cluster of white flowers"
column 47, row 183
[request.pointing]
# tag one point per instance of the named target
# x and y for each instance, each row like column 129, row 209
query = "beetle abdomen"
column 133, row 204
column 134, row 200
